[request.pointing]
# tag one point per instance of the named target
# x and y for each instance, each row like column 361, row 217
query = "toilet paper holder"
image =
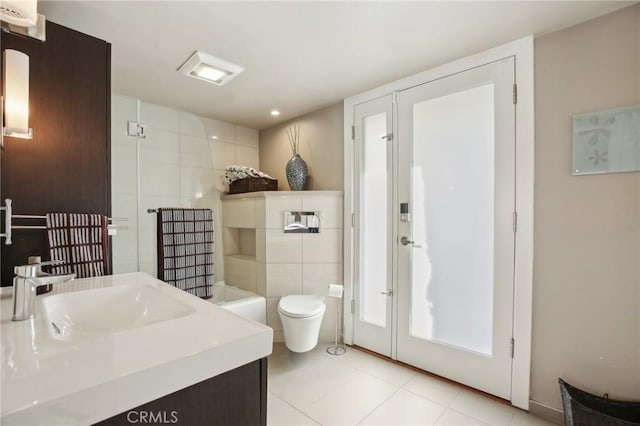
column 336, row 291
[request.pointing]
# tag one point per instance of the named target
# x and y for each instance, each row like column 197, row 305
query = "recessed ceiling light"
column 214, row 137
column 275, row 112
column 209, row 68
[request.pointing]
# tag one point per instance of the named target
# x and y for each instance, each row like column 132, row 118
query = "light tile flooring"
column 360, row 389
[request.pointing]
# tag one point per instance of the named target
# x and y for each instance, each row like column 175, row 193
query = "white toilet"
column 301, row 317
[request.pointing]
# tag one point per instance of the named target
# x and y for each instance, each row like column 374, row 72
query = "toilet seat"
column 296, row 306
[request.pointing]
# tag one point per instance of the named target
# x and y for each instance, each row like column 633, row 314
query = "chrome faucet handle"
column 33, row 260
column 51, row 279
column 32, row 269
column 51, row 262
column 27, row 271
column 48, row 263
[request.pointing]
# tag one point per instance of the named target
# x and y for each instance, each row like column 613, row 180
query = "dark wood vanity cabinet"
column 237, row 397
column 66, row 166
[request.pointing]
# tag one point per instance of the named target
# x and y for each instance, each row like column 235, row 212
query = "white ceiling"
column 299, row 56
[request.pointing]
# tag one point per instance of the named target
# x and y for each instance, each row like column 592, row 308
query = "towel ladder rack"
column 9, row 226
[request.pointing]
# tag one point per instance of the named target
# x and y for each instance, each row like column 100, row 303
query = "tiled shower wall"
column 179, row 164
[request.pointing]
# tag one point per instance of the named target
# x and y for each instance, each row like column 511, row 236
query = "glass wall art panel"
column 606, row 141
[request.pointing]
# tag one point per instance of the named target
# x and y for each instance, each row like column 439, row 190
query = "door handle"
column 389, row 292
column 405, row 241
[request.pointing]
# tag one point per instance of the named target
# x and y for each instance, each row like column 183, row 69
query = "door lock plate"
column 404, row 212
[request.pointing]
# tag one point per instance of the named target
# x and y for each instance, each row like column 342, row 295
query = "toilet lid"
column 301, row 306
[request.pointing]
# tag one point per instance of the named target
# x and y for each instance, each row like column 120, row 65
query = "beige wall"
column 321, row 135
column 586, row 313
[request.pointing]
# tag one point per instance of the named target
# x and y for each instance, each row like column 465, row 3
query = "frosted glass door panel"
column 373, row 248
column 374, row 238
column 452, row 189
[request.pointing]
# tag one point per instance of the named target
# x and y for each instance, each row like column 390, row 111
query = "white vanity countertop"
column 45, row 381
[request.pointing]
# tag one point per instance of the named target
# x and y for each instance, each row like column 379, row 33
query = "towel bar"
column 27, row 227
column 31, row 216
column 44, row 227
column 8, row 226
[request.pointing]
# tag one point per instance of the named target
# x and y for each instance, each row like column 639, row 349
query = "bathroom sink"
column 92, row 313
column 123, row 340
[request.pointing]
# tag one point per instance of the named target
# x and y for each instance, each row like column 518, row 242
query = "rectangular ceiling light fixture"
column 209, row 68
column 19, row 12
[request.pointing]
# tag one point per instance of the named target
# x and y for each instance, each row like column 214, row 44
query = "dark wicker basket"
column 584, row 409
column 253, row 184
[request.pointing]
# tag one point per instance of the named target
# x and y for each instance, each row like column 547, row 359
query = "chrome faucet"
column 28, row 278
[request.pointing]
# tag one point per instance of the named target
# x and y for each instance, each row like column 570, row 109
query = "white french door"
column 447, row 265
column 455, row 281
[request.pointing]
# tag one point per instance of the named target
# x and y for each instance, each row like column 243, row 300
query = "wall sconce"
column 16, row 95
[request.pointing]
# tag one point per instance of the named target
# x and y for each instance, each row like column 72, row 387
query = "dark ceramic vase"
column 296, row 173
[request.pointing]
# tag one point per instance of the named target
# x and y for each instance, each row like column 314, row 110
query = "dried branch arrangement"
column 293, row 132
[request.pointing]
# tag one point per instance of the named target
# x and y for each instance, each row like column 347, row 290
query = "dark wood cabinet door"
column 237, row 397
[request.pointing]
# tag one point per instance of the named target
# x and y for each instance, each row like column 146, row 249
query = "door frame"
column 523, row 52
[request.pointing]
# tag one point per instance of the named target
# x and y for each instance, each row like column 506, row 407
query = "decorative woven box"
column 253, row 184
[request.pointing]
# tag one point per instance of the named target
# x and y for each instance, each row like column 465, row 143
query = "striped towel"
column 80, row 242
column 185, row 249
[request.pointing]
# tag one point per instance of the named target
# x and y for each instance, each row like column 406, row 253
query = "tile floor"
column 360, row 389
